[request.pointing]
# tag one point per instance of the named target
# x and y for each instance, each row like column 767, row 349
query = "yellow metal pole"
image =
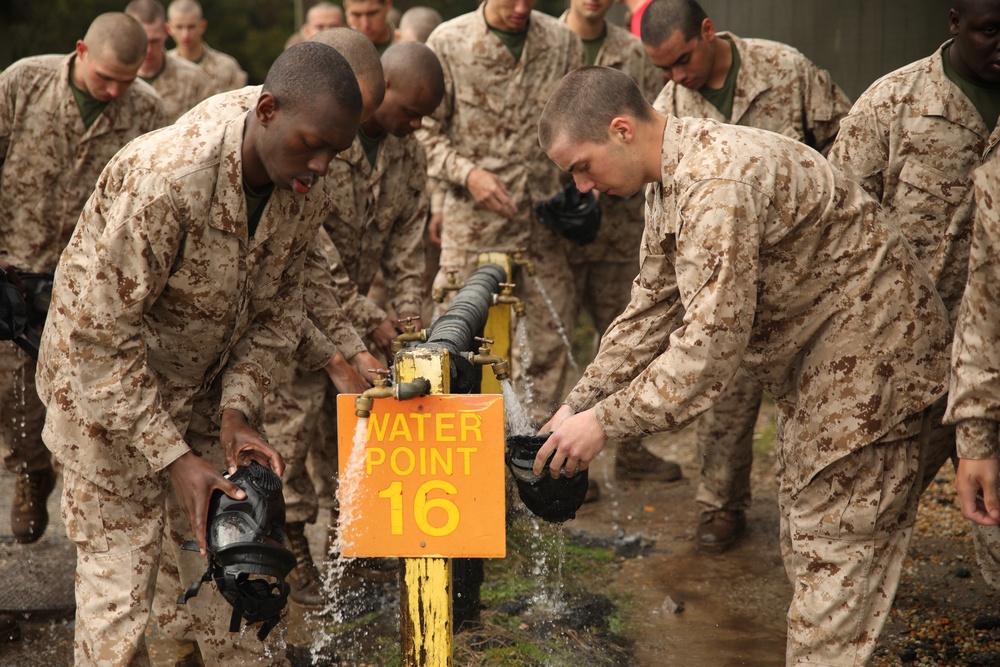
column 498, row 324
column 425, row 588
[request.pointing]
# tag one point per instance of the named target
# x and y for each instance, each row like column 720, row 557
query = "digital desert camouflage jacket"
column 50, row 161
column 912, row 141
column 378, row 218
column 974, row 399
column 161, row 299
column 489, row 119
column 621, row 218
column 777, row 89
column 223, row 70
column 327, row 327
column 181, row 85
column 780, row 266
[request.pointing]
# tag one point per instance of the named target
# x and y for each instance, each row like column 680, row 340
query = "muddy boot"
column 189, row 655
column 635, row 463
column 10, row 628
column 29, row 515
column 720, row 530
column 305, row 579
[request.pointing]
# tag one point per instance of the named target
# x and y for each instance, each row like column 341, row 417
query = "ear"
column 81, row 49
column 266, row 109
column 707, row 30
column 953, row 21
column 622, row 129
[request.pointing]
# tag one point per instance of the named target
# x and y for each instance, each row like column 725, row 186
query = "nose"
column 583, row 184
column 320, row 164
column 677, row 74
column 115, row 89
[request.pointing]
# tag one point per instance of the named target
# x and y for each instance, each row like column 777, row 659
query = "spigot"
column 486, row 358
column 451, row 286
column 364, row 403
column 507, row 296
column 402, row 391
column 517, row 256
column 410, row 334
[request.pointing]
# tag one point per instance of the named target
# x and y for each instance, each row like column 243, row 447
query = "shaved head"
column 310, row 70
column 119, row 35
column 185, row 8
column 413, row 67
column 663, row 17
column 362, row 55
column 585, row 102
column 417, row 23
column 149, row 12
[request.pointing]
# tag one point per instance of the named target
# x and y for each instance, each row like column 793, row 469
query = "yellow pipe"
column 498, row 324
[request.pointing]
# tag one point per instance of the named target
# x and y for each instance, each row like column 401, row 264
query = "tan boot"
column 720, row 530
column 635, row 463
column 305, row 579
column 29, row 515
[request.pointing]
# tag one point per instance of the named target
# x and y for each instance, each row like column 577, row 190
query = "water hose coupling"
column 409, row 335
column 451, row 286
column 507, row 296
column 500, row 366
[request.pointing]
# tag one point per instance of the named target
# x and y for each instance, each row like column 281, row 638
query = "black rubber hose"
column 467, row 314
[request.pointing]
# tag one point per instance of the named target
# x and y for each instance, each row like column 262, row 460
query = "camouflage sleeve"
column 436, row 190
column 363, row 313
column 268, row 345
column 443, row 160
column 8, row 98
column 974, row 398
column 861, row 149
column 403, row 263
column 638, row 334
column 327, row 326
column 114, row 384
column 717, row 269
column 825, row 106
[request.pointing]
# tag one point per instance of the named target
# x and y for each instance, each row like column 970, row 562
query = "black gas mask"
column 571, row 214
column 245, row 538
column 555, row 500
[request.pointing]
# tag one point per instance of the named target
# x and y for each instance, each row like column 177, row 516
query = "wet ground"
column 681, row 607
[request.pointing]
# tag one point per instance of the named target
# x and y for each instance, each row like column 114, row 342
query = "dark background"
column 857, row 40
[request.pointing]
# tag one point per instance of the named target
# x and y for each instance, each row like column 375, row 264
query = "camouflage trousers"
column 724, row 437
column 540, row 342
column 22, row 414
column 130, row 565
column 292, row 416
column 843, row 540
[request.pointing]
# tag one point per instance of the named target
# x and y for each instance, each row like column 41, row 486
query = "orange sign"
column 423, row 477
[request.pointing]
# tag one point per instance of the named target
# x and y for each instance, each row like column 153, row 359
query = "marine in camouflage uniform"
column 187, row 25
column 775, row 88
column 605, row 267
column 181, row 85
column 974, row 399
column 486, row 123
column 166, row 291
column 788, row 271
column 913, row 140
column 49, row 163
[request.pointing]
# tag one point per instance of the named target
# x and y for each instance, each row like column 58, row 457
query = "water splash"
column 524, row 351
column 560, row 329
column 518, row 421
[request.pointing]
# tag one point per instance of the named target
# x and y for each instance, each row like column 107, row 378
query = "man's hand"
column 383, row 336
column 243, row 444
column 434, row 226
column 489, row 191
column 561, row 415
column 345, row 376
column 194, row 480
column 976, row 483
column 576, row 441
column 366, row 364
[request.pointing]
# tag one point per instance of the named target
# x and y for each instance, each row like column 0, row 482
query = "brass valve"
column 517, row 256
column 507, row 296
column 364, row 403
column 451, row 286
column 410, row 334
column 486, row 358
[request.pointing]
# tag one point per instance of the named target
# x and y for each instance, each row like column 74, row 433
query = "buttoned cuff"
column 977, row 439
column 161, row 442
column 617, row 426
column 243, row 389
